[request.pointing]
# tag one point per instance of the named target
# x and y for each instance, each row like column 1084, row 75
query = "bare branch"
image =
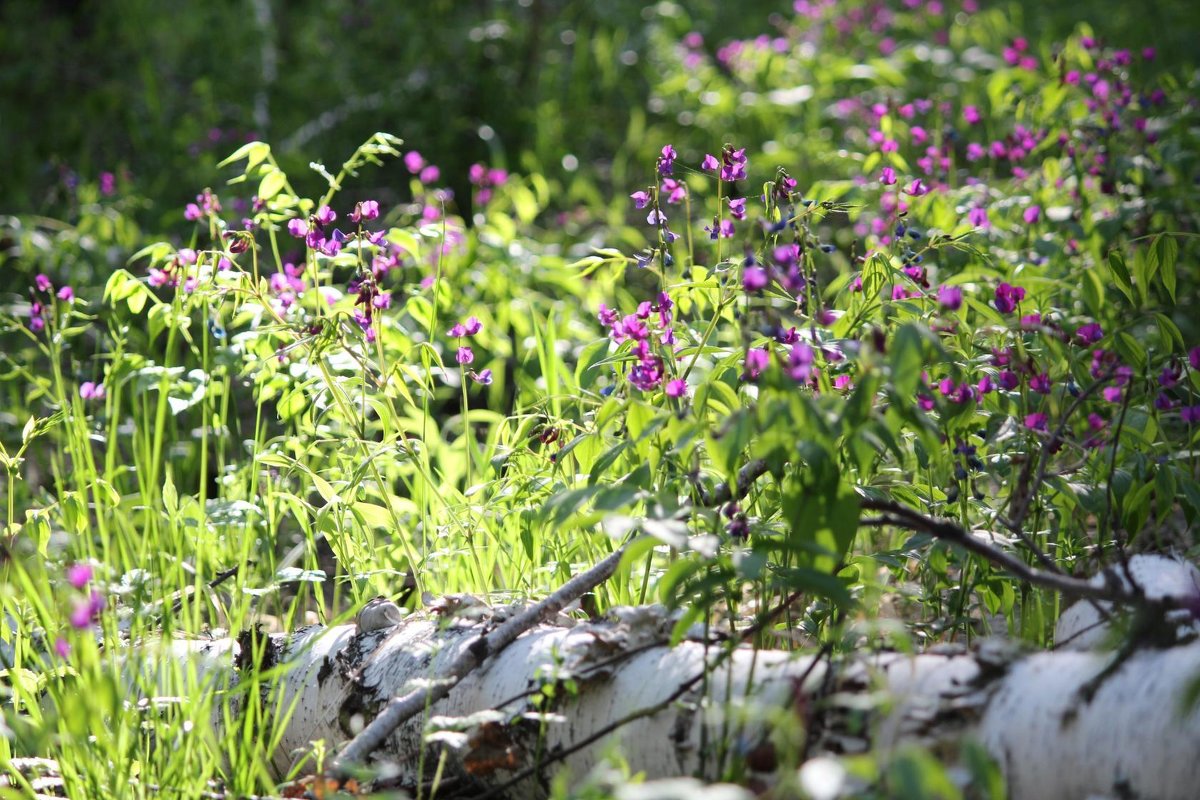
column 473, row 654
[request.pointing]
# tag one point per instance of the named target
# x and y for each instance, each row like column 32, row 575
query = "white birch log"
column 1061, row 725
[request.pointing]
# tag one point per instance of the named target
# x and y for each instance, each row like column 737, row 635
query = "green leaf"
column 1116, row 263
column 1166, row 251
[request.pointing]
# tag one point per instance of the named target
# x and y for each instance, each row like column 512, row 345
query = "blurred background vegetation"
column 159, row 91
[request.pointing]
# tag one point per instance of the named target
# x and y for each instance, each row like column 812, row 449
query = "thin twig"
column 403, row 708
column 893, row 513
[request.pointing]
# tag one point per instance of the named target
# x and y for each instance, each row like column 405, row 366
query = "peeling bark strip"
column 1133, row 738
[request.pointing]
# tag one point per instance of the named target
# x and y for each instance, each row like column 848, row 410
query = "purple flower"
column 382, row 300
column 1089, row 333
column 365, row 210
column 971, row 115
column 87, row 610
column 887, row 176
column 43, row 284
column 414, row 162
column 916, row 189
column 640, row 199
column 710, row 163
column 757, row 360
column 473, row 326
column 1190, row 414
column 191, row 212
column 754, row 279
column 978, row 217
column 66, row 294
column 430, row 174
column 1032, row 214
column 676, row 388
column 91, row 391
column 733, row 164
column 78, row 575
column 676, row 190
column 950, row 297
column 325, row 215
column 1036, row 421
column 1009, row 380
column 666, row 161
column 1194, row 357
column 484, row 378
column 1163, row 402
column 1040, row 383
column 298, row 228
column 108, row 183
column 62, row 647
column 1007, row 297
column 722, row 229
column 1112, row 394
column 737, row 208
column 656, row 217
column 800, row 362
column 465, row 355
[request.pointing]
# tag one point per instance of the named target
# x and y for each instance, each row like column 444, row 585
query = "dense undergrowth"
column 897, row 253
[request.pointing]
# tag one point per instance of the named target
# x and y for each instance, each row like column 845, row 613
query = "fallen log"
column 1060, row 724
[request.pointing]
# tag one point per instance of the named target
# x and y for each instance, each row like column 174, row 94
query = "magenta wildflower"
column 800, row 362
column 757, row 359
column 971, row 115
column 43, row 283
column 1194, row 357
column 414, row 162
column 887, row 176
column 1009, row 380
column 108, row 183
column 86, row 610
column 666, row 161
column 365, row 210
column 978, row 217
column 754, row 279
column 710, row 163
column 78, row 575
column 91, row 391
column 325, row 215
column 722, row 229
column 484, row 378
column 191, row 212
column 62, row 647
column 917, row 188
column 1112, row 394
column 676, row 190
column 737, row 208
column 640, row 199
column 1040, row 383
column 1032, row 215
column 1190, row 414
column 1089, row 333
column 465, row 355
column 676, row 388
column 1036, row 421
column 298, row 228
column 950, row 297
column 1007, row 297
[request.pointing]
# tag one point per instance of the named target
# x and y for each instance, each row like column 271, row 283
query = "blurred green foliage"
column 159, row 92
